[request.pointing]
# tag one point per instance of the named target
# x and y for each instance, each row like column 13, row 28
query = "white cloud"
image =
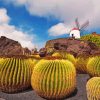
column 64, row 10
column 3, row 16
column 12, row 32
column 59, row 29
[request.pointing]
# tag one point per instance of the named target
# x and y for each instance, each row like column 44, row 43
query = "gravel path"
column 80, row 93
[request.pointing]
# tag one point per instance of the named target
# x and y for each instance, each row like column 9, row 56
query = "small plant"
column 93, row 66
column 93, row 88
column 54, row 78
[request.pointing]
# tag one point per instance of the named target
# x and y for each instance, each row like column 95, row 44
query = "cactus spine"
column 15, row 75
column 93, row 88
column 54, row 79
column 93, row 66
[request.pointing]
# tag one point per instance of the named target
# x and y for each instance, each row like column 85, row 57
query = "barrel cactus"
column 93, row 66
column 58, row 54
column 35, row 56
column 93, row 88
column 15, row 75
column 54, row 79
column 65, row 55
column 81, row 64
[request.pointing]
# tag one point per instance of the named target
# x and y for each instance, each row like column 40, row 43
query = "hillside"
column 74, row 46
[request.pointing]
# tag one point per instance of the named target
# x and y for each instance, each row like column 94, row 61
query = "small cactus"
column 54, row 79
column 81, row 64
column 15, row 75
column 65, row 55
column 93, row 88
column 93, row 66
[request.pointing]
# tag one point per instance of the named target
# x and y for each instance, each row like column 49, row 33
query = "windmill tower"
column 76, row 31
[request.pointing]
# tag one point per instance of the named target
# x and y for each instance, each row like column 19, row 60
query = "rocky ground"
column 80, row 93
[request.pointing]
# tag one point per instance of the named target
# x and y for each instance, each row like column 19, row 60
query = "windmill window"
column 72, row 35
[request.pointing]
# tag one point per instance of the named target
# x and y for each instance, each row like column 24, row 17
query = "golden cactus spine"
column 54, row 79
column 81, row 64
column 15, row 75
column 93, row 66
column 93, row 88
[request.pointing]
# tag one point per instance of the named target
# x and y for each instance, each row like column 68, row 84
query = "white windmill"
column 76, row 31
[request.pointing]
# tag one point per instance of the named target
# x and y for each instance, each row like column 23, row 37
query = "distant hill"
column 94, row 37
column 11, row 47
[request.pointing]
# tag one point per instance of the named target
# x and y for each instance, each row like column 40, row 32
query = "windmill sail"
column 84, row 25
column 77, row 23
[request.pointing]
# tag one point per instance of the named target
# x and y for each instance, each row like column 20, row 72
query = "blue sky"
column 43, row 22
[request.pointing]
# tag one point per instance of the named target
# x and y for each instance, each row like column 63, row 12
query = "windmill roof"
column 75, row 29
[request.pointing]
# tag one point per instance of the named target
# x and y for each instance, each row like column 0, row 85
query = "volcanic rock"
column 74, row 46
column 10, row 47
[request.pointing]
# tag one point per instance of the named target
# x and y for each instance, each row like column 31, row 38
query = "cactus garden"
column 49, row 50
column 56, row 77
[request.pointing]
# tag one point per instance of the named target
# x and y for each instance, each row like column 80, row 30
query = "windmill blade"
column 82, row 32
column 84, row 25
column 77, row 23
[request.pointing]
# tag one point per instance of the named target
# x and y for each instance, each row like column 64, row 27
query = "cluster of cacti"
column 54, row 79
column 93, row 88
column 93, row 66
column 65, row 55
column 15, row 75
column 81, row 64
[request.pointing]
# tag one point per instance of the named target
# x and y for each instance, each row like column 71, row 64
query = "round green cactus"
column 57, row 54
column 93, row 88
column 54, row 79
column 15, row 75
column 81, row 64
column 93, row 66
column 65, row 55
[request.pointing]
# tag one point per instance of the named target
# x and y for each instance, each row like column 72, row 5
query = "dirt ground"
column 79, row 94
